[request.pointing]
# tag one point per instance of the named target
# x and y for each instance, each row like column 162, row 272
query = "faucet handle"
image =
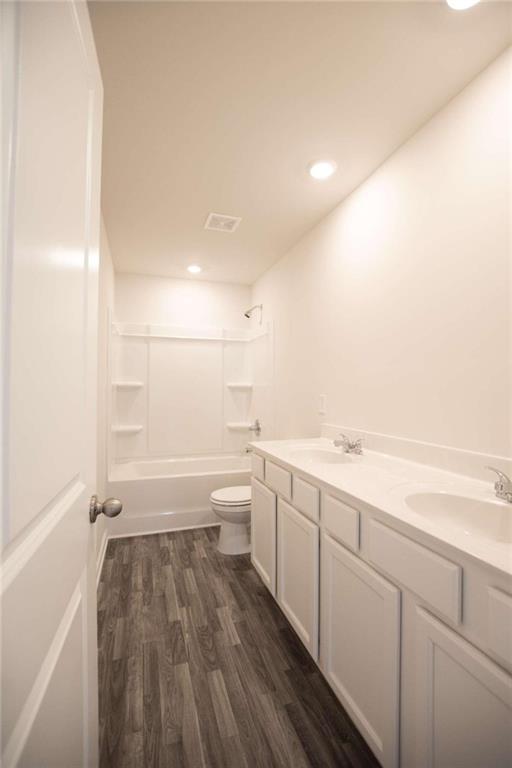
column 256, row 427
column 503, row 485
column 502, row 477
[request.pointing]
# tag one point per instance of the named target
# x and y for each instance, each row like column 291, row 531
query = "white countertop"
column 383, row 482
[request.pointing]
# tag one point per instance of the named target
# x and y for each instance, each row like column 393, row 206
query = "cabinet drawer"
column 279, row 479
column 341, row 521
column 430, row 576
column 500, row 624
column 306, row 498
column 258, row 466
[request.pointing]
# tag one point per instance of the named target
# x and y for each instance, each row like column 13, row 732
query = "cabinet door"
column 298, row 573
column 360, row 646
column 463, row 709
column 263, row 533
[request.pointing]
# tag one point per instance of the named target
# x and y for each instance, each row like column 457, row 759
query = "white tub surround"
column 167, row 494
column 397, row 576
column 185, row 390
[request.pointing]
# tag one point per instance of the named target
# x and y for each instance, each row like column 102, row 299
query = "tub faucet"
column 349, row 446
column 502, row 486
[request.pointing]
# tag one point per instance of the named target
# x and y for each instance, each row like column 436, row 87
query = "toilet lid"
column 236, row 495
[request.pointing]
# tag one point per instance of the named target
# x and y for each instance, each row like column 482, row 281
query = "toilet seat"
column 234, row 496
column 231, row 510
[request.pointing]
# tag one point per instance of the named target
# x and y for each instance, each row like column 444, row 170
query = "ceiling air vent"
column 222, row 223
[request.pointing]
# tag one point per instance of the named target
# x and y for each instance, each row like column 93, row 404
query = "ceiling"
column 221, row 107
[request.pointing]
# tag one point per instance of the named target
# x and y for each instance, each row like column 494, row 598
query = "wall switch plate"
column 322, row 405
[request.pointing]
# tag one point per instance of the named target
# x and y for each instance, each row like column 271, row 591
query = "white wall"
column 166, row 301
column 397, row 305
column 105, row 312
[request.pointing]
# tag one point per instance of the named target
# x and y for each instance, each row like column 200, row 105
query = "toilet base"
column 234, row 538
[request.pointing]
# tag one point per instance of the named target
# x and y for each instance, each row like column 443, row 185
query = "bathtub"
column 168, row 494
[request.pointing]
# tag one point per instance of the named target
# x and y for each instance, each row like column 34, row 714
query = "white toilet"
column 233, row 506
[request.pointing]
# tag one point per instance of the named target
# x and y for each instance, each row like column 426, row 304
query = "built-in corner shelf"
column 128, row 429
column 128, row 384
column 239, row 385
column 238, row 426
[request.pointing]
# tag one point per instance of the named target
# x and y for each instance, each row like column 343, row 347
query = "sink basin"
column 489, row 519
column 320, row 455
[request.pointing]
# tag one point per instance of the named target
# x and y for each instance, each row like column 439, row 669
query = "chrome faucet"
column 502, row 486
column 256, row 427
column 349, row 446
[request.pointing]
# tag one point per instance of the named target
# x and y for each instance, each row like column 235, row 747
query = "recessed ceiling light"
column 461, row 5
column 194, row 269
column 322, row 169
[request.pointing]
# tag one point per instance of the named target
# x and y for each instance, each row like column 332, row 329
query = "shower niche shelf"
column 128, row 429
column 245, row 385
column 128, row 384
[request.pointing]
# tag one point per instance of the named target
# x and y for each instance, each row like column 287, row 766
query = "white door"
column 463, row 712
column 360, row 646
column 51, row 145
column 298, row 573
column 263, row 533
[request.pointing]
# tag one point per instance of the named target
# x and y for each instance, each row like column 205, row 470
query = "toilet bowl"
column 233, row 507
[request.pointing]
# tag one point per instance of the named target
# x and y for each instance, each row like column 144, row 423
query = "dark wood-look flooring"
column 198, row 666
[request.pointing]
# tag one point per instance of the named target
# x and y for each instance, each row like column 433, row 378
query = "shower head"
column 251, row 310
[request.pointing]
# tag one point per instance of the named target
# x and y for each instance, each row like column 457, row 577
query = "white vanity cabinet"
column 298, row 573
column 360, row 646
column 263, row 533
column 413, row 636
column 463, row 702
